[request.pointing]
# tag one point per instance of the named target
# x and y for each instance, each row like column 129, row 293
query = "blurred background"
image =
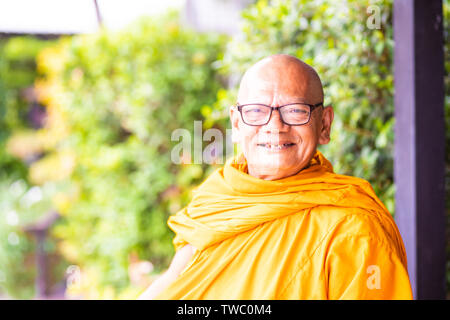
column 91, row 91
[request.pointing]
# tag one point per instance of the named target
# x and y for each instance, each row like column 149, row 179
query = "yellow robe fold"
column 314, row 235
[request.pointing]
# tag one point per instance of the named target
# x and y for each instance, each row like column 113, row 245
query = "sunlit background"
column 91, row 91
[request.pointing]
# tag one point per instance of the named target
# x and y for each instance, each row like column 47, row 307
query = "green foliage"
column 355, row 65
column 17, row 72
column 20, row 206
column 20, row 203
column 120, row 96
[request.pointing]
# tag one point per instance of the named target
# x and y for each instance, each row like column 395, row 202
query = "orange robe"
column 314, row 235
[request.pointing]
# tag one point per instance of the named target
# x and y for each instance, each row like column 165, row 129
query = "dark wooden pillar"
column 419, row 165
column 41, row 282
column 39, row 231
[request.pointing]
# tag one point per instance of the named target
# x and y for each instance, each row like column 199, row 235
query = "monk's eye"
column 298, row 111
column 255, row 110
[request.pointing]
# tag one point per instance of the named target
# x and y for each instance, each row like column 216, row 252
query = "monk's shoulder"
column 357, row 209
column 348, row 223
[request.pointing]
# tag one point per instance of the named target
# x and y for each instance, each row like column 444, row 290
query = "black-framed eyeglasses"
column 293, row 114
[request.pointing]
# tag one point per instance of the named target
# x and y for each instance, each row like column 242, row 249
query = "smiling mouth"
column 280, row 146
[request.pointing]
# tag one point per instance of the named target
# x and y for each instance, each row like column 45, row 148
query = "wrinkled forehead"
column 283, row 83
column 271, row 89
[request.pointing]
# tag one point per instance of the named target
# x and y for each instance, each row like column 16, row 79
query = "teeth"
column 274, row 146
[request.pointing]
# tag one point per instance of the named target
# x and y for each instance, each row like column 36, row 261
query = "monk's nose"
column 275, row 121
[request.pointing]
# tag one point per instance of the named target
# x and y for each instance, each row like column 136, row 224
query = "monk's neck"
column 271, row 174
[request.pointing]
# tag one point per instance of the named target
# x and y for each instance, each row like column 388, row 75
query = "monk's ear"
column 234, row 119
column 327, row 120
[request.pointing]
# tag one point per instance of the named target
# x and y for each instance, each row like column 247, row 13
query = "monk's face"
column 277, row 150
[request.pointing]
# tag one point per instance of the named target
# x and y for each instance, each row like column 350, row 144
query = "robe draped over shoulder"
column 314, row 235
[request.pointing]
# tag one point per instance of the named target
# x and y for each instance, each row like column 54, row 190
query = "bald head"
column 281, row 74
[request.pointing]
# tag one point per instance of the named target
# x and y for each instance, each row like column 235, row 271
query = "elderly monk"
column 276, row 222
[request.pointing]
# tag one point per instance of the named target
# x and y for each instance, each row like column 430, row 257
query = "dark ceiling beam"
column 98, row 14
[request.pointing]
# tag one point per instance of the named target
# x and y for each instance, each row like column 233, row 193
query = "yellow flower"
column 199, row 58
